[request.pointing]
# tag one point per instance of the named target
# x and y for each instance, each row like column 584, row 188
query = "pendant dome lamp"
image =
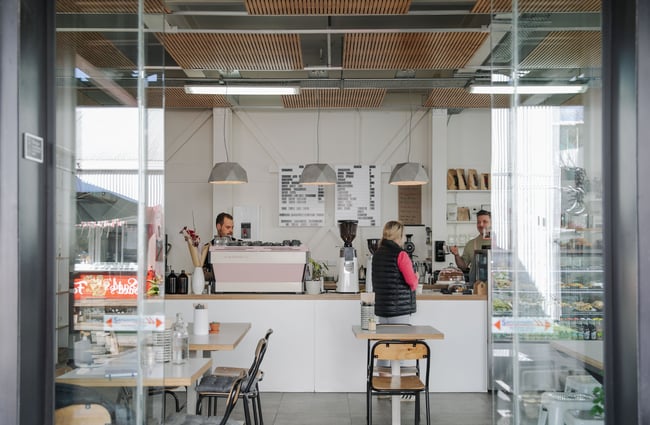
column 227, row 172
column 409, row 173
column 318, row 173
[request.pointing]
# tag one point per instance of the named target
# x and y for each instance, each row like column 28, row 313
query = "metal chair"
column 399, row 385
column 212, row 387
column 233, row 394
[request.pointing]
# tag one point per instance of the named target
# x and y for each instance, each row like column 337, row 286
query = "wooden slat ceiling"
column 175, row 97
column 108, row 6
column 433, row 51
column 537, row 6
column 327, row 7
column 461, row 98
column 96, row 49
column 269, row 52
column 566, row 49
column 335, row 98
column 449, row 50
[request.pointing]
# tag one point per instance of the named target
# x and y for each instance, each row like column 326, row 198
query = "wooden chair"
column 399, row 385
column 75, row 404
column 82, row 414
column 232, row 396
column 213, row 387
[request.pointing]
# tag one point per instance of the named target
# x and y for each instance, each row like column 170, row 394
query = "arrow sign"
column 130, row 322
column 521, row 325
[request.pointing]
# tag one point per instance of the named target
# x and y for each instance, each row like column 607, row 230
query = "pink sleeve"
column 406, row 267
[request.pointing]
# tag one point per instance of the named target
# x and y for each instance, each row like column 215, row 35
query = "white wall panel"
column 261, row 140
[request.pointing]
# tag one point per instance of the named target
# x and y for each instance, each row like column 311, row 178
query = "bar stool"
column 554, row 404
column 584, row 384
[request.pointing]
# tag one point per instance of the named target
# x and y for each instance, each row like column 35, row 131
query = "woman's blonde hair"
column 394, row 231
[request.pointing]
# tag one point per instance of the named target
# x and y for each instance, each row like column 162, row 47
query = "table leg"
column 191, row 400
column 200, row 354
column 395, row 369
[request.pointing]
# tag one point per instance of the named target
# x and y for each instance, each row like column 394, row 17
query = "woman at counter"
column 393, row 277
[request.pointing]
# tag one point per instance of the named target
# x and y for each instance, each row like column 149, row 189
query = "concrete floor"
column 350, row 409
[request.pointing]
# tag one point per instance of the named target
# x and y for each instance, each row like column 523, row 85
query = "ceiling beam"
column 105, row 82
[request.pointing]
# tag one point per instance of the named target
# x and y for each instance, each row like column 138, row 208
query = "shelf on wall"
column 468, row 191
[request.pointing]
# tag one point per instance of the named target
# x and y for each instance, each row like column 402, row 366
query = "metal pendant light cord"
column 408, row 154
column 318, row 135
column 225, row 147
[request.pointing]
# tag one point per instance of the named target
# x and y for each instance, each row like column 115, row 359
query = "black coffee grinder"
column 348, row 264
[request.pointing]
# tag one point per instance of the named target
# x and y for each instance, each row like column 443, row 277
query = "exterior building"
column 31, row 102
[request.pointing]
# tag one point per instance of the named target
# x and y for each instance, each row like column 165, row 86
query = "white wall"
column 469, row 144
column 263, row 140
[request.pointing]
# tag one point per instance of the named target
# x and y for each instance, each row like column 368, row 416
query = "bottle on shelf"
column 180, row 341
column 171, row 283
column 182, row 283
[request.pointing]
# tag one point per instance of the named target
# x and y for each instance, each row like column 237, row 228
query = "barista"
column 483, row 240
column 224, row 225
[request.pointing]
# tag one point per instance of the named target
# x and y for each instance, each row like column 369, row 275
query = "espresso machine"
column 373, row 244
column 348, row 264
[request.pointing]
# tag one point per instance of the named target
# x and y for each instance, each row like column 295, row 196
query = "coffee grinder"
column 348, row 264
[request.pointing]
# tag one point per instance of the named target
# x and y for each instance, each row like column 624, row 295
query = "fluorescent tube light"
column 528, row 89
column 242, row 90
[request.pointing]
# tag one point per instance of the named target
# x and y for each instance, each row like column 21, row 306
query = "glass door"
column 110, row 163
column 546, row 275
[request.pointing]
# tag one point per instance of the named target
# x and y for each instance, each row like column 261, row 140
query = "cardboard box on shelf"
column 473, row 181
column 452, row 212
column 463, row 214
column 460, row 176
column 452, row 181
column 486, row 183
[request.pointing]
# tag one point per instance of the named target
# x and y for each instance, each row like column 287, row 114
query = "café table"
column 397, row 332
column 123, row 371
column 590, row 353
column 228, row 338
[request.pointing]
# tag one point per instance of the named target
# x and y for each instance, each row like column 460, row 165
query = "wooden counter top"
column 320, row 297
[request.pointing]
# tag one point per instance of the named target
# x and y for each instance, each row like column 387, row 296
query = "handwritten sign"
column 300, row 205
column 105, row 286
column 357, row 194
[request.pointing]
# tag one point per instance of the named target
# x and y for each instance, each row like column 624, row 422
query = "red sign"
column 105, row 286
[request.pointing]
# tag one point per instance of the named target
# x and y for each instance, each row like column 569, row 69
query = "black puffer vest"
column 393, row 296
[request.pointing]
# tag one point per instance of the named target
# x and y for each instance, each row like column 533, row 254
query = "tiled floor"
column 350, row 409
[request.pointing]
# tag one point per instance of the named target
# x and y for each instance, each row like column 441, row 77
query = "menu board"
column 300, row 205
column 357, row 194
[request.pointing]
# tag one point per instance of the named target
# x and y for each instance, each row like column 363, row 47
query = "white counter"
column 313, row 348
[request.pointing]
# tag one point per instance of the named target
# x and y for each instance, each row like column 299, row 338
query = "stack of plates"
column 162, row 345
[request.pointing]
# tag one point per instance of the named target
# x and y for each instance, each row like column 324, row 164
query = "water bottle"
column 180, row 341
column 182, row 282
